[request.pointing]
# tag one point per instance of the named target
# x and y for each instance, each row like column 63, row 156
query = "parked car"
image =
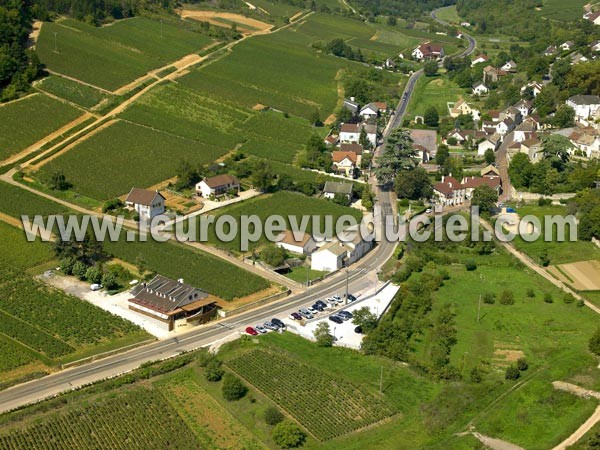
column 331, row 302
column 321, row 303
column 95, row 287
column 260, row 329
column 337, row 298
column 279, row 323
column 271, row 326
column 358, row 330
column 345, row 315
column 351, row 298
column 251, row 331
column 306, row 313
column 295, row 316
column 335, row 318
column 317, row 307
column 428, row 211
column 312, row 310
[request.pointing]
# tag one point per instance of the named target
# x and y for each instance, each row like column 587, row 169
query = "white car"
column 95, row 287
column 260, row 329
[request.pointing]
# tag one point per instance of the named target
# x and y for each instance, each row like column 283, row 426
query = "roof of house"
column 447, row 186
column 336, row 187
column 420, row 148
column 526, row 126
column 142, row 196
column 478, row 84
column 354, row 147
column 336, row 247
column 489, row 168
column 289, row 237
column 585, row 99
column 369, row 129
column 593, row 16
column 331, row 139
column 350, row 128
column 371, row 106
column 530, row 142
column 351, row 105
column 339, row 156
column 381, row 105
column 474, row 182
column 494, row 113
column 166, row 295
column 221, row 180
column 481, row 56
column 428, row 48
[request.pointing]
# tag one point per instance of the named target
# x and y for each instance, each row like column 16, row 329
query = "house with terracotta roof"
column 449, row 191
column 332, row 139
column 147, row 203
column 428, row 50
column 469, row 184
column 535, row 86
column 593, row 17
column 217, row 185
column 533, row 148
column 296, row 242
column 345, row 163
column 481, row 58
column 461, row 107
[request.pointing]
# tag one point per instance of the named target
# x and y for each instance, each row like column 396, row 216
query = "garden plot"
column 582, row 275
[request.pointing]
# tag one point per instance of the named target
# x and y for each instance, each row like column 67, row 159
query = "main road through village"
column 357, row 278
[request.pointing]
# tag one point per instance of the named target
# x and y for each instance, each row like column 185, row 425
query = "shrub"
column 213, row 371
column 470, row 265
column 111, row 205
column 548, row 297
column 93, row 275
column 530, row 293
column 288, row 435
column 233, row 388
column 544, row 201
column 580, row 303
column 512, row 373
column 489, row 298
column 475, row 375
column 109, row 280
column 79, row 270
column 522, row 364
column 594, row 344
column 273, row 416
column 568, row 298
column 66, row 265
column 507, row 298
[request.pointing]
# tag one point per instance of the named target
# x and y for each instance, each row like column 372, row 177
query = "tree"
column 594, row 344
column 233, row 388
column 512, row 373
column 430, row 68
column 273, row 416
column 323, row 335
column 363, row 139
column 187, row 175
column 413, row 184
column 367, row 198
column 391, row 21
column 556, row 148
column 316, row 119
column 522, row 364
column 364, row 318
column 288, row 435
column 262, row 175
column 564, row 117
column 273, row 255
column 485, row 197
column 398, row 155
column 489, row 156
column 79, row 270
column 109, row 281
column 213, row 371
column 507, row 297
column 93, row 275
column 58, row 181
column 442, row 155
column 431, row 117
column 521, row 171
column 66, row 265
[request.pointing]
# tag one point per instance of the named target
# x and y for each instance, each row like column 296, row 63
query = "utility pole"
column 161, row 28
column 346, row 300
column 479, row 308
column 308, row 274
column 381, row 381
column 55, row 43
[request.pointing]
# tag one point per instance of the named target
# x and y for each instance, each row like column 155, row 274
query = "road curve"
column 472, row 43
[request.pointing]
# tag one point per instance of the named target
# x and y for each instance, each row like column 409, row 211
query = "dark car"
column 318, row 307
column 251, row 331
column 278, row 322
column 321, row 303
column 336, row 319
column 345, row 314
column 358, row 330
column 295, row 316
column 351, row 298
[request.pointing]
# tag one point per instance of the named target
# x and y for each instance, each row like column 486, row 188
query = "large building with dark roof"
column 173, row 303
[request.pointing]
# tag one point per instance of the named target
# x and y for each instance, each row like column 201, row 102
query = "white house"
column 427, row 50
column 148, row 204
column 566, row 46
column 486, row 144
column 217, row 185
column 524, row 107
column 480, row 89
column 585, row 106
column 350, row 132
column 481, row 58
column 595, row 46
column 299, row 242
column 505, row 126
column 330, row 257
column 370, row 111
column 509, row 66
column 357, row 245
column 461, row 107
column 536, row 88
column 449, row 191
column 345, row 162
column 332, row 188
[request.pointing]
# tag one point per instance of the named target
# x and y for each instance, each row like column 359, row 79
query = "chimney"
column 180, row 280
column 352, row 99
column 443, row 177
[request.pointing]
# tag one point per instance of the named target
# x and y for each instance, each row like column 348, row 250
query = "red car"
column 251, row 331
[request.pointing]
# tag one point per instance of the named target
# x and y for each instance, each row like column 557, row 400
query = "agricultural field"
column 140, row 418
column 207, row 272
column 285, row 204
column 42, row 114
column 72, row 91
column 563, row 9
column 300, row 176
column 556, row 252
column 433, row 91
column 449, row 14
column 353, row 409
column 15, row 202
column 110, row 57
column 272, row 70
column 99, row 168
column 277, row 8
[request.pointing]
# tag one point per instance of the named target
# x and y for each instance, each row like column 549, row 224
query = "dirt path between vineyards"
column 209, row 16
column 588, row 424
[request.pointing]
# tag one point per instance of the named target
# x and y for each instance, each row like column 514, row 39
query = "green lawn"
column 41, row 114
column 434, row 91
column 72, row 91
column 100, row 168
column 558, row 252
column 563, row 9
column 449, row 14
column 298, row 274
column 112, row 56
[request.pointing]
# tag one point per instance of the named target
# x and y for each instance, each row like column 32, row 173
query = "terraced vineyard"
column 326, row 407
column 136, row 419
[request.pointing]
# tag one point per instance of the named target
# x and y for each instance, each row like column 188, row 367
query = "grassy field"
column 563, row 9
column 284, row 204
column 15, row 201
column 449, row 14
column 99, row 168
column 42, row 114
column 274, row 71
column 433, row 91
column 80, row 94
column 112, row 56
column 557, row 252
column 197, row 268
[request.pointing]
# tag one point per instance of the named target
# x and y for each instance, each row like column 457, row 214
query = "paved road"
column 472, row 43
column 502, row 165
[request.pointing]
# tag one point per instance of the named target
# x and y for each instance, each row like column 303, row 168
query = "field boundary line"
column 20, row 99
column 76, row 80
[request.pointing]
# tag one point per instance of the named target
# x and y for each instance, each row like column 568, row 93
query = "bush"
column 475, row 375
column 544, row 201
column 568, row 298
column 580, row 303
column 489, row 298
column 111, row 205
column 594, row 344
column 470, row 265
column 522, row 364
column 512, row 373
column 79, row 270
column 530, row 293
column 507, row 298
column 93, row 275
column 288, row 435
column 233, row 388
column 548, row 297
column 404, row 202
column 273, row 416
column 213, row 371
column 109, row 280
column 66, row 265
